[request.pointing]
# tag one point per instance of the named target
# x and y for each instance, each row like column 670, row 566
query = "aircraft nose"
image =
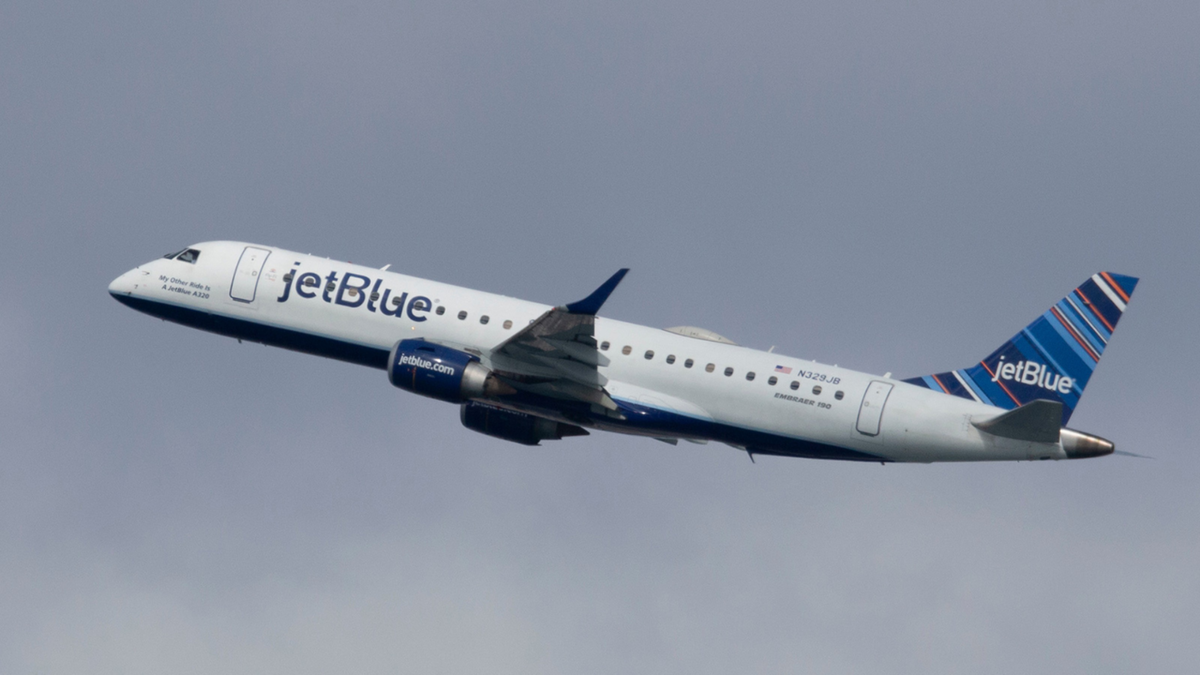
column 125, row 284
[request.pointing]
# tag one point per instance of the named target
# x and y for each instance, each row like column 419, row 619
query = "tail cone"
column 1079, row 445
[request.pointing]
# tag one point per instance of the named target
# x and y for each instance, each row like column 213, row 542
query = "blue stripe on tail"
column 1052, row 358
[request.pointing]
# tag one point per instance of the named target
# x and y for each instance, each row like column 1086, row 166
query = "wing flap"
column 578, row 371
column 580, row 352
column 556, row 355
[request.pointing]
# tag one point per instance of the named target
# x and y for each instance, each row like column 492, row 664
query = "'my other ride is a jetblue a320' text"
column 527, row 372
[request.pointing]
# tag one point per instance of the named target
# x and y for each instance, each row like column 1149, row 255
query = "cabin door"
column 870, row 413
column 245, row 277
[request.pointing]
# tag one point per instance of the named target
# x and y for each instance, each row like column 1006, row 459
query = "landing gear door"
column 245, row 276
column 870, row 413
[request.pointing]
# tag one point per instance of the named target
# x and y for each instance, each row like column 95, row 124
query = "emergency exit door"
column 870, row 413
column 245, row 276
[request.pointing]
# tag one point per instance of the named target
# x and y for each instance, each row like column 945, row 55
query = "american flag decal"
column 783, row 369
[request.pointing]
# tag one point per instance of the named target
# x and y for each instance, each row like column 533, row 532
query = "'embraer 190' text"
column 1033, row 374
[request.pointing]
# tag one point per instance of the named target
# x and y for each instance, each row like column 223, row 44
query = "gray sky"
column 889, row 187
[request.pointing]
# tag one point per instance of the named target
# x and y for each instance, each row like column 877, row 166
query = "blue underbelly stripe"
column 276, row 336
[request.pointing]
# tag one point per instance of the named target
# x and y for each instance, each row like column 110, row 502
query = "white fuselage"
column 788, row 399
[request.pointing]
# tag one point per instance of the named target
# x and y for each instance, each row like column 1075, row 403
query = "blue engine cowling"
column 429, row 369
column 517, row 427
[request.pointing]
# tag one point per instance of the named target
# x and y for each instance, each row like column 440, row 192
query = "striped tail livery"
column 1052, row 358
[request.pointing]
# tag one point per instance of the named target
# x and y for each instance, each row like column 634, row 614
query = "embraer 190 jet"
column 527, row 372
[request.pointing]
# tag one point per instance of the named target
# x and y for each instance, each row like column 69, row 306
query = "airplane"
column 526, row 372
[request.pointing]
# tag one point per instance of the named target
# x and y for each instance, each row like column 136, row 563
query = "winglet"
column 591, row 304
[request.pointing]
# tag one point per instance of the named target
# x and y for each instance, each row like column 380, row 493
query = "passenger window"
column 375, row 296
column 670, row 358
column 507, row 324
column 440, row 310
column 330, row 286
column 728, row 372
column 419, row 306
column 838, row 395
column 604, row 346
column 287, row 278
column 795, row 385
column 309, row 281
column 772, row 380
column 396, row 302
column 352, row 292
column 750, row 376
column 462, row 316
column 626, row 350
column 484, row 319
column 688, row 363
column 710, row 367
column 817, row 390
column 189, row 256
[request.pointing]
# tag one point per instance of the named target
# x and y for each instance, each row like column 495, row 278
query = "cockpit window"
column 190, row 255
column 172, row 255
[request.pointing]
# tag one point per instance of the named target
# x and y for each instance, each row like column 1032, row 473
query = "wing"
column 557, row 354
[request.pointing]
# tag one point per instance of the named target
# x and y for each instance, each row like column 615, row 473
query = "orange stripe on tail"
column 1095, row 309
column 1075, row 334
column 1115, row 286
column 999, row 382
column 945, row 389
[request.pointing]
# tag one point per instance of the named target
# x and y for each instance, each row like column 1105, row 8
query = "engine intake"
column 517, row 427
column 432, row 370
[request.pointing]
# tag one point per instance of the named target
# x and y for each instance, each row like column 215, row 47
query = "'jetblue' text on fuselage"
column 351, row 291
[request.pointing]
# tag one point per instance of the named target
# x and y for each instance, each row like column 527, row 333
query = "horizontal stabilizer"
column 1038, row 421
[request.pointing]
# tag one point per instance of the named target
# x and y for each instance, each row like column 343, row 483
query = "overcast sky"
column 886, row 186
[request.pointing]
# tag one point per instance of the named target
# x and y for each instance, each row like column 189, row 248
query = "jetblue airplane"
column 527, row 372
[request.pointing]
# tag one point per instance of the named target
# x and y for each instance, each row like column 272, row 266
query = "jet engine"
column 432, row 370
column 517, row 427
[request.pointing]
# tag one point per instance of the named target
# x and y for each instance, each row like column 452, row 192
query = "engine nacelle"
column 517, row 427
column 429, row 369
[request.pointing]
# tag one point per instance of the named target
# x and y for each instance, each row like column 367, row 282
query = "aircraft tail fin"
column 1052, row 358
